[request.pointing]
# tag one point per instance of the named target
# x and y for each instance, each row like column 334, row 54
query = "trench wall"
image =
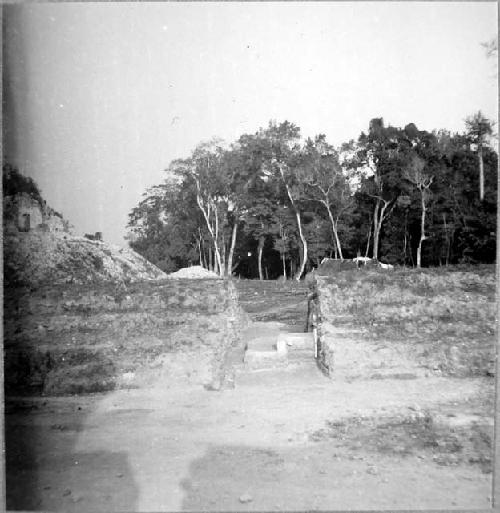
column 443, row 319
column 71, row 339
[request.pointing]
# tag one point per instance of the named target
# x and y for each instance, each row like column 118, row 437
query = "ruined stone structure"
column 23, row 213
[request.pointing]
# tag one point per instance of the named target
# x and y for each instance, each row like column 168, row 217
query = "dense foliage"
column 15, row 183
column 272, row 204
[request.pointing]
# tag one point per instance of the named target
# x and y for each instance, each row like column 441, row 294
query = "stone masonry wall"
column 70, row 339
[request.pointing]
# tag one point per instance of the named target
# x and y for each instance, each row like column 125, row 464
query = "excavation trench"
column 285, row 437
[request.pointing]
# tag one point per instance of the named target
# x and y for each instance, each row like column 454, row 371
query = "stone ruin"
column 22, row 214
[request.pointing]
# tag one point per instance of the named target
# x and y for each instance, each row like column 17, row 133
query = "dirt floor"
column 282, row 439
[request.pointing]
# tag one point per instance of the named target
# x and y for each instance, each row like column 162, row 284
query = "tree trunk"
column 376, row 230
column 481, row 171
column 338, row 247
column 422, row 231
column 378, row 219
column 210, row 260
column 405, row 242
column 217, row 267
column 260, row 250
column 447, row 238
column 304, row 247
column 299, row 226
column 284, row 264
column 337, row 240
column 213, row 234
column 229, row 267
column 369, row 238
column 223, row 253
column 419, row 254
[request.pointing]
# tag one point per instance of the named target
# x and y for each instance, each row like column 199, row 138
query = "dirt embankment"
column 70, row 339
column 442, row 319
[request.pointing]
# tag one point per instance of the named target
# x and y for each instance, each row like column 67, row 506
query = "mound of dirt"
column 331, row 267
column 36, row 258
column 196, row 272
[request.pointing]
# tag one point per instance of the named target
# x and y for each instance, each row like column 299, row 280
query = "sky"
column 98, row 98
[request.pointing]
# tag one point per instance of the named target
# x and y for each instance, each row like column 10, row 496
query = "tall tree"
column 201, row 174
column 260, row 200
column 377, row 154
column 282, row 233
column 321, row 172
column 478, row 130
column 284, row 149
column 415, row 174
column 240, row 177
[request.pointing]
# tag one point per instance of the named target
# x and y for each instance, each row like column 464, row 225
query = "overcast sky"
column 100, row 97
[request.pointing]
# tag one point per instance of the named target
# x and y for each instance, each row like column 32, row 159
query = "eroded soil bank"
column 282, row 439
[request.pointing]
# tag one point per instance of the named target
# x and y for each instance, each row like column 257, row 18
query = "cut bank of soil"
column 283, row 439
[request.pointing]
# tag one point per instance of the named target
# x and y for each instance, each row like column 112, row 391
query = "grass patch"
column 416, row 435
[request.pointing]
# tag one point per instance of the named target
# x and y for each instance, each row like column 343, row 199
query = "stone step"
column 299, row 354
column 274, row 348
column 260, row 360
column 297, row 341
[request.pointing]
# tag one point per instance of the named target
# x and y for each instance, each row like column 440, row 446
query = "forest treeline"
column 272, row 204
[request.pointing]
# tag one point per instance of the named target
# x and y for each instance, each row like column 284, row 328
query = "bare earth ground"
column 283, row 439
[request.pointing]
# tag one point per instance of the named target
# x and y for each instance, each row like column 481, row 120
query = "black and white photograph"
column 250, row 256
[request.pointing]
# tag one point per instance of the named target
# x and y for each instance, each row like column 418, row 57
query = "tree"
column 163, row 227
column 258, row 220
column 282, row 163
column 415, row 174
column 260, row 200
column 325, row 183
column 478, row 130
column 470, row 221
column 491, row 51
column 377, row 154
column 491, row 47
column 286, row 204
column 281, row 230
column 203, row 168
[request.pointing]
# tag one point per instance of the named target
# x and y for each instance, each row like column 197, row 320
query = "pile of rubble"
column 196, row 272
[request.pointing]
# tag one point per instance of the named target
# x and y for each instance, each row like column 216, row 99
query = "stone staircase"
column 270, row 347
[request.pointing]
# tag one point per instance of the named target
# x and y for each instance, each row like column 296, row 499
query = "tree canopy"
column 16, row 183
column 272, row 204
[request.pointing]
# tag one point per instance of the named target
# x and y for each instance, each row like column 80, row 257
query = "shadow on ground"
column 45, row 472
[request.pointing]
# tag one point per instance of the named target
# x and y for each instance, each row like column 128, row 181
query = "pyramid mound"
column 40, row 248
column 37, row 258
